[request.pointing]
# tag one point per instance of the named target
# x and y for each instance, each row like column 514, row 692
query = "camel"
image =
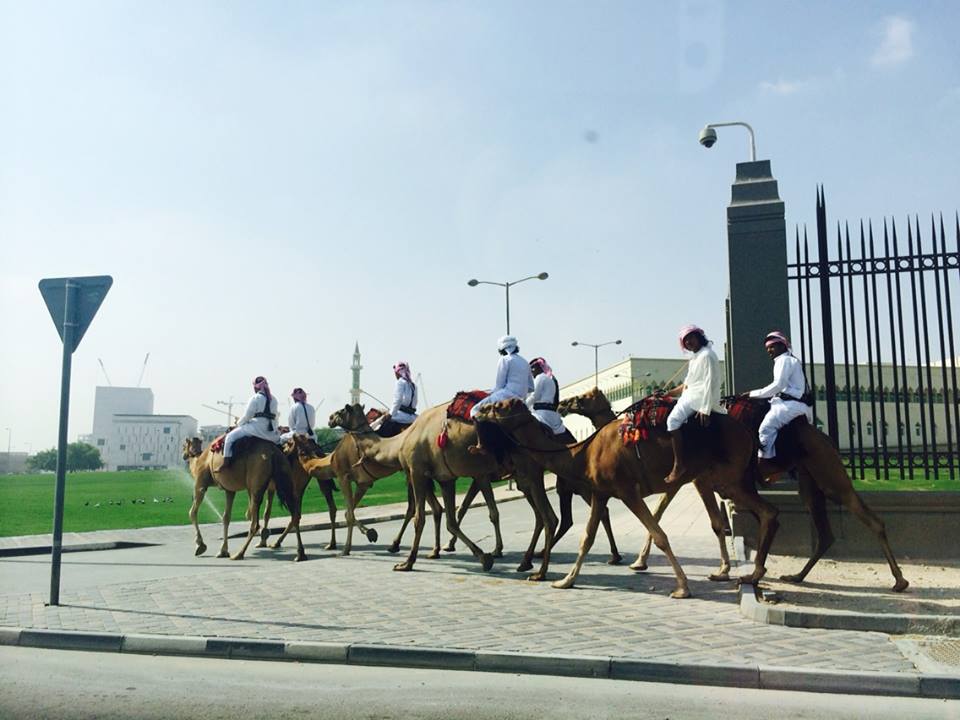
column 631, row 473
column 425, row 461
column 252, row 471
column 821, row 475
column 301, row 480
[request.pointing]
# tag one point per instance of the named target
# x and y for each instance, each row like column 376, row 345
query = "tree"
column 80, row 456
column 327, row 438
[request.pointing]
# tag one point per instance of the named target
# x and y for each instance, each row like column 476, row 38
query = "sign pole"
column 69, row 323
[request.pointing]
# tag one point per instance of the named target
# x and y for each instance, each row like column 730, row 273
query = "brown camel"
column 425, row 461
column 631, row 473
column 252, row 470
column 301, row 480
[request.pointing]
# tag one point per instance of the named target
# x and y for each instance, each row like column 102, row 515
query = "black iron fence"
column 877, row 337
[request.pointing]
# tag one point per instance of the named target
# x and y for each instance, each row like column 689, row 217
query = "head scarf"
column 299, row 395
column 775, row 337
column 507, row 344
column 403, row 370
column 260, row 385
column 543, row 365
column 689, row 330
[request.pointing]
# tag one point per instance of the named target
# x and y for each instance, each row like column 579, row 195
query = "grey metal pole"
column 68, row 329
column 596, row 366
column 508, row 307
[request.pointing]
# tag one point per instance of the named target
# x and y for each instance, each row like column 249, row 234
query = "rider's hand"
column 704, row 419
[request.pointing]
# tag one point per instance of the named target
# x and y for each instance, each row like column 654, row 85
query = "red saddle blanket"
column 747, row 410
column 649, row 412
column 217, row 445
column 463, row 403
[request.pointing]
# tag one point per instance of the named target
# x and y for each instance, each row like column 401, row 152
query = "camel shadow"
column 188, row 616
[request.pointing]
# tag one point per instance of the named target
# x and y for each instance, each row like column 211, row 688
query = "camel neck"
column 385, row 451
column 552, row 454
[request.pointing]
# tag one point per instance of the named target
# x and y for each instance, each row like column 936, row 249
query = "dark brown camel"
column 631, row 473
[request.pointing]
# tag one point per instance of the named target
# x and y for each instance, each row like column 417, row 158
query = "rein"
column 532, row 419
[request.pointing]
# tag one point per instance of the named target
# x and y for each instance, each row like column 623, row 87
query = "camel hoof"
column 300, row 557
column 791, row 578
column 615, row 560
column 451, row 547
column 236, row 557
column 261, row 544
column 330, row 546
column 524, row 566
column 275, row 546
column 498, row 553
column 394, row 547
column 901, row 585
column 753, row 578
column 372, row 535
column 263, row 537
column 680, row 593
column 223, row 554
column 638, row 565
column 405, row 566
column 344, row 553
column 201, row 549
column 537, row 577
column 434, row 554
column 486, row 561
column 564, row 584
column 719, row 577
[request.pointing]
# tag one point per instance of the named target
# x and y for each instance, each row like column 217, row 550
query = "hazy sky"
column 269, row 182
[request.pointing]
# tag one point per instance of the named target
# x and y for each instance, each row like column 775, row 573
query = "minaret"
column 356, row 367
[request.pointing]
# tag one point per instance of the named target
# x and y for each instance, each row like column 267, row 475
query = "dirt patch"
column 859, row 586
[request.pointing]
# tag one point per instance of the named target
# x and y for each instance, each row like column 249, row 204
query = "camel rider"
column 260, row 420
column 301, row 418
column 786, row 393
column 404, row 409
column 514, row 379
column 699, row 393
column 544, row 399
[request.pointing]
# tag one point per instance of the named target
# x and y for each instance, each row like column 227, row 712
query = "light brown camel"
column 252, row 470
column 301, row 480
column 426, row 462
column 631, row 473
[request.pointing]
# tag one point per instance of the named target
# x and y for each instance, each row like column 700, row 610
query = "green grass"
column 91, row 500
column 940, row 482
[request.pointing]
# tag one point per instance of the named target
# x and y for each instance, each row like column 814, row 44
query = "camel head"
column 192, row 447
column 306, row 447
column 349, row 417
column 508, row 413
column 589, row 403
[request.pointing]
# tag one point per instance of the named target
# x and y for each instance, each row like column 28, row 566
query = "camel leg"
column 265, row 533
column 634, row 501
column 421, row 486
column 346, row 489
column 548, row 520
column 816, row 503
column 854, row 503
column 491, row 501
column 254, row 511
column 198, row 495
column 227, row 509
column 641, row 562
column 615, row 557
column 716, row 522
column 411, row 507
column 527, row 562
column 766, row 515
column 327, row 491
column 465, row 504
column 597, row 504
column 565, row 500
column 449, row 490
column 436, row 510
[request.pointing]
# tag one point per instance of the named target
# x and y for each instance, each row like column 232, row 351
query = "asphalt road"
column 61, row 685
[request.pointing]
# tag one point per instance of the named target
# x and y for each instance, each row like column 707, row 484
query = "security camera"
column 708, row 136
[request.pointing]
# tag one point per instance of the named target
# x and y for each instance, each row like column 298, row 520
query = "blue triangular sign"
column 87, row 293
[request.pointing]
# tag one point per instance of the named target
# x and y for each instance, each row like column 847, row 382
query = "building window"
column 101, row 442
column 122, row 446
column 146, row 456
column 166, row 431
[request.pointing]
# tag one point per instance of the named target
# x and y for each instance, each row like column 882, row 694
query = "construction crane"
column 102, row 367
column 426, row 403
column 143, row 370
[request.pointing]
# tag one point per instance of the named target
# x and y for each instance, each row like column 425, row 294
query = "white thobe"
column 250, row 426
column 701, row 391
column 545, row 390
column 404, row 393
column 301, row 420
column 514, row 380
column 788, row 378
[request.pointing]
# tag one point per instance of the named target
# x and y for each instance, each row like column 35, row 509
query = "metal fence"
column 878, row 314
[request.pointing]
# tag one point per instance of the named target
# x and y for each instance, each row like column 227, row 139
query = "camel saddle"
column 239, row 448
column 462, row 404
column 751, row 411
column 649, row 412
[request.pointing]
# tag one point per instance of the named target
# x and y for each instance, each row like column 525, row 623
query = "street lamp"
column 506, row 286
column 596, row 348
column 9, row 435
column 708, row 136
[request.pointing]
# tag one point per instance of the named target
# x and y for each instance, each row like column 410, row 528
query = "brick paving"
column 451, row 603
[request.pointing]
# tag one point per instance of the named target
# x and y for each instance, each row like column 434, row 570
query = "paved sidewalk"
column 450, row 602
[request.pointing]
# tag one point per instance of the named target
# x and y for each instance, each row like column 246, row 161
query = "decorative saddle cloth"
column 217, row 445
column 648, row 412
column 463, row 403
column 747, row 410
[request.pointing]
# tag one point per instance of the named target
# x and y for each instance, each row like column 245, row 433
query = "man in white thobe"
column 514, row 379
column 302, row 416
column 545, row 397
column 699, row 393
column 403, row 411
column 259, row 420
column 785, row 392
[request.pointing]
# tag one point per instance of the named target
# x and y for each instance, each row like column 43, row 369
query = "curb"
column 760, row 677
column 820, row 619
column 80, row 547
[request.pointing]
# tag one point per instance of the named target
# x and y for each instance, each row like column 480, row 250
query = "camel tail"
column 283, row 479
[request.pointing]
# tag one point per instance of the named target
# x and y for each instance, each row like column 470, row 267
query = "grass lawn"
column 897, row 481
column 111, row 500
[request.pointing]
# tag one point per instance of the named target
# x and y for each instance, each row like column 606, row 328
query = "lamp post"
column 507, row 286
column 9, row 436
column 596, row 348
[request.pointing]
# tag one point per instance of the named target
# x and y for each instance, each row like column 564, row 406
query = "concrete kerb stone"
column 741, row 676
